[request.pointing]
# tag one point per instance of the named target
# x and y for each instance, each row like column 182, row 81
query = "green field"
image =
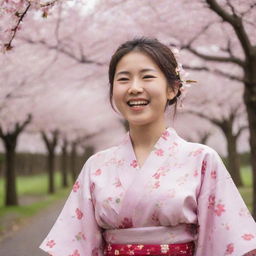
column 246, row 191
column 33, row 197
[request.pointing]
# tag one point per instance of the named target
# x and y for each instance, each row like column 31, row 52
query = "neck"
column 146, row 136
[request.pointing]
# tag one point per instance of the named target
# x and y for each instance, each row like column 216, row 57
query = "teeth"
column 137, row 103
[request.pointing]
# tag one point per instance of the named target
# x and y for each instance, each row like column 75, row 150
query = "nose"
column 135, row 87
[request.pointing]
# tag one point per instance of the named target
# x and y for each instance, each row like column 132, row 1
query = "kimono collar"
column 169, row 136
column 166, row 141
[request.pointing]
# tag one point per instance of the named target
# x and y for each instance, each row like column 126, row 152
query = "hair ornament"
column 180, row 72
column 182, row 75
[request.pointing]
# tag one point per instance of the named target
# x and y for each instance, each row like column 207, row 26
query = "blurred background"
column 54, row 106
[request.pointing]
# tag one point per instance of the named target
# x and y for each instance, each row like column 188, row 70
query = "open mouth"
column 134, row 103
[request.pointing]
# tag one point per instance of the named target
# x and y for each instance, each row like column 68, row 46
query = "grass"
column 246, row 190
column 32, row 191
column 246, row 174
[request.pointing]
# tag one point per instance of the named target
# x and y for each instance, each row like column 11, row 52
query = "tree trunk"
column 51, row 145
column 233, row 159
column 64, row 167
column 73, row 161
column 11, row 197
column 250, row 102
column 88, row 151
column 51, row 167
column 10, row 142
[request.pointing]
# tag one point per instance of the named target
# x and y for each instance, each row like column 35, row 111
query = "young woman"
column 155, row 193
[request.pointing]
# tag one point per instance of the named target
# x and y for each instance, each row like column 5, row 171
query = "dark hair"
column 158, row 52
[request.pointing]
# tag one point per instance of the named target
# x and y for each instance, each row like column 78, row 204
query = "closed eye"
column 123, row 79
column 148, row 77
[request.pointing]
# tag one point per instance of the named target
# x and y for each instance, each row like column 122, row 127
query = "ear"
column 172, row 90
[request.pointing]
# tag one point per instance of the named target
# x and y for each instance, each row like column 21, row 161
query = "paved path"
column 26, row 240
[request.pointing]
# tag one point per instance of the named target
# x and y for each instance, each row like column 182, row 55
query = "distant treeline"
column 35, row 163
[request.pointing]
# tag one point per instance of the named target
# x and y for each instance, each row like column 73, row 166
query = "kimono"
column 182, row 193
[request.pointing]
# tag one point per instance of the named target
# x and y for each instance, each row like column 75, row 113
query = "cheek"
column 160, row 93
column 118, row 95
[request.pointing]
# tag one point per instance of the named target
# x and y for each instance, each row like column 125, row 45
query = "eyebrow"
column 141, row 71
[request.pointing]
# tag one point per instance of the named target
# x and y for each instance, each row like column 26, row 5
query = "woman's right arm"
column 76, row 233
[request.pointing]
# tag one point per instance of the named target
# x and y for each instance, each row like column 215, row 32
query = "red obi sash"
column 186, row 249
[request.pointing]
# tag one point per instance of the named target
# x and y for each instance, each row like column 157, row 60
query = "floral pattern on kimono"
column 182, row 193
column 76, row 232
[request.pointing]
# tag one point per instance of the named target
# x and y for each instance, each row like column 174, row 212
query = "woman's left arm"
column 226, row 226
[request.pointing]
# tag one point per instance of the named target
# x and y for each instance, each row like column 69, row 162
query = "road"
column 26, row 240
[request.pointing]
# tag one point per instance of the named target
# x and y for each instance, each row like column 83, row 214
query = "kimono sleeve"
column 76, row 233
column 226, row 226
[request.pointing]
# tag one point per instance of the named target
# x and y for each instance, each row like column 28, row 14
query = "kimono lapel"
column 134, row 178
column 129, row 168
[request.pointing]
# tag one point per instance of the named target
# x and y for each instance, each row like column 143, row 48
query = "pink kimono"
column 182, row 193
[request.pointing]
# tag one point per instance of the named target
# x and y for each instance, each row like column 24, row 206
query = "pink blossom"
column 196, row 152
column 51, row 243
column 126, row 223
column 211, row 201
column 214, row 174
column 195, row 173
column 95, row 252
column 248, row 237
column 76, row 186
column 159, row 152
column 79, row 214
column 220, row 208
column 117, row 183
column 75, row 253
column 92, row 187
column 157, row 184
column 134, row 164
column 229, row 249
column 165, row 135
column 98, row 172
column 157, row 175
column 204, row 165
column 155, row 217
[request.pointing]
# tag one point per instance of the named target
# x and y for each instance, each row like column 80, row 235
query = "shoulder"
column 102, row 156
column 195, row 149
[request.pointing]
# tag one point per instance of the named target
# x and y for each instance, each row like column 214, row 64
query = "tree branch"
column 231, row 7
column 216, row 72
column 81, row 59
column 202, row 115
column 251, row 7
column 8, row 46
column 50, row 144
column 240, row 130
column 19, row 128
column 237, row 24
column 1, row 132
column 230, row 59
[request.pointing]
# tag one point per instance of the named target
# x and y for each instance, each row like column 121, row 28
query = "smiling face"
column 140, row 90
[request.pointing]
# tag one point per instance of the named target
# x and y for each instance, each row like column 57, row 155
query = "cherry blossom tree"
column 237, row 19
column 10, row 138
column 13, row 13
column 64, row 163
column 51, row 140
column 223, row 108
column 15, row 112
column 224, row 46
